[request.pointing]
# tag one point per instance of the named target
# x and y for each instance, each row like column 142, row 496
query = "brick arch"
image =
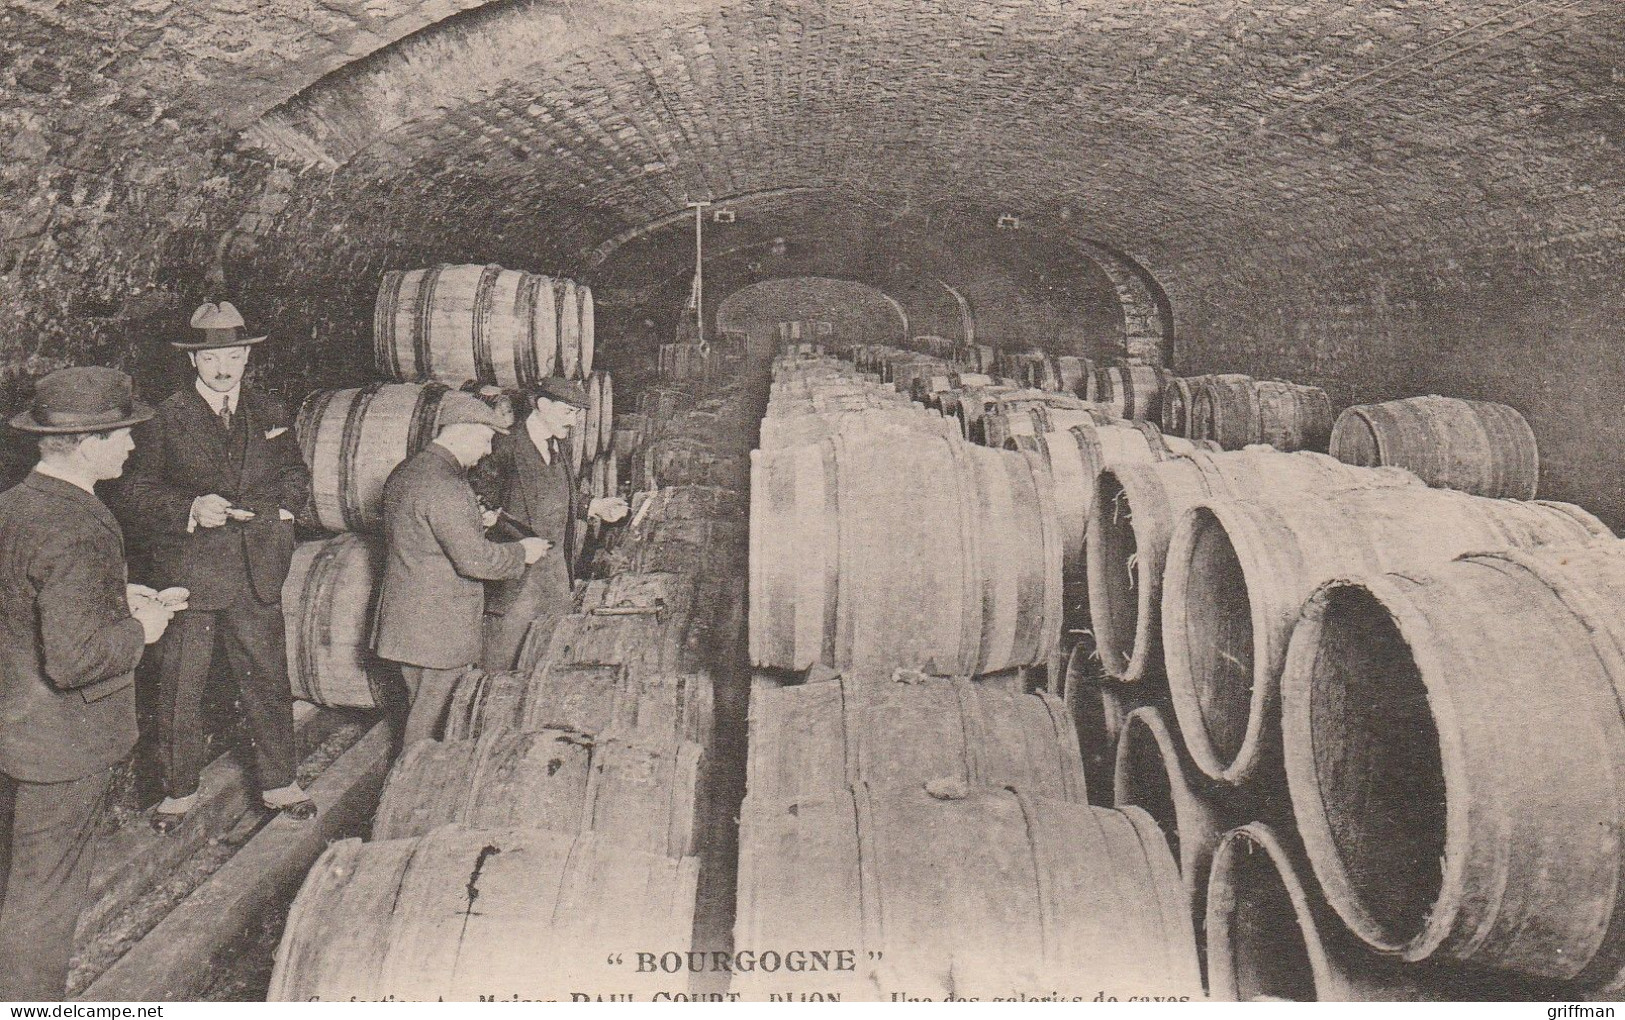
column 856, row 309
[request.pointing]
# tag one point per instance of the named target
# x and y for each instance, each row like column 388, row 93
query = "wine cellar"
column 1053, row 503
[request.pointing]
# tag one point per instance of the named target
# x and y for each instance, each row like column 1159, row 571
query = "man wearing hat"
column 216, row 480
column 71, row 633
column 533, row 479
column 436, row 558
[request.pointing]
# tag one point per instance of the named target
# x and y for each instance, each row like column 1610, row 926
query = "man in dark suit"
column 437, row 556
column 71, row 633
column 214, row 487
column 535, row 482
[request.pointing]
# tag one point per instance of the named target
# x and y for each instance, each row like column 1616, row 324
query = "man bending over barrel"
column 437, row 556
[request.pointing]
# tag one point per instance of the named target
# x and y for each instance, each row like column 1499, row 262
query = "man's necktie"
column 225, row 412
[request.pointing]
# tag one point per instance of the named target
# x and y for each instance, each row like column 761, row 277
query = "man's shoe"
column 171, row 812
column 301, row 810
column 291, row 801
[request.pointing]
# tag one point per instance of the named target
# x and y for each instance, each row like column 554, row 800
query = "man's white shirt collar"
column 62, row 476
column 214, row 399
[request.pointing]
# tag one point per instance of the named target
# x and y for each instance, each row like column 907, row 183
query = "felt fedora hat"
column 88, row 399
column 221, row 325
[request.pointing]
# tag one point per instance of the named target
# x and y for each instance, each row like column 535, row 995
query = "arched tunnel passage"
column 1378, row 199
column 850, row 308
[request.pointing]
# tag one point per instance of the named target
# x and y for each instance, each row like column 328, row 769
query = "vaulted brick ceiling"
column 1185, row 131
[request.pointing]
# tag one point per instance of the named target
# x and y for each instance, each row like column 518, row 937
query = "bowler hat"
column 459, row 408
column 221, row 326
column 565, row 391
column 87, row 399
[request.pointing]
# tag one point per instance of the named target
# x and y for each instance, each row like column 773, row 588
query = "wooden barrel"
column 685, row 361
column 1032, row 369
column 1029, row 412
column 327, row 608
column 680, row 460
column 1150, row 772
column 636, row 793
column 591, row 699
column 1238, row 571
column 1131, row 390
column 1075, row 375
column 1472, row 445
column 568, row 306
column 1199, row 411
column 1135, row 508
column 813, row 740
column 916, row 551
column 465, row 914
column 779, row 433
column 659, row 404
column 1179, row 403
column 1076, row 457
column 710, row 549
column 582, row 435
column 1469, row 807
column 1099, row 711
column 1270, row 935
column 592, row 423
column 972, row 404
column 626, row 435
column 980, row 892
column 453, row 323
column 587, row 313
column 1283, row 415
column 352, row 439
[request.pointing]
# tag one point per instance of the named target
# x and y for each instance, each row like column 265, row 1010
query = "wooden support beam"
column 131, row 860
column 174, row 961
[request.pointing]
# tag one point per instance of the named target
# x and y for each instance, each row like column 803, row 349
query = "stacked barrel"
column 1281, row 650
column 1236, row 411
column 487, row 330
column 903, row 582
column 569, row 797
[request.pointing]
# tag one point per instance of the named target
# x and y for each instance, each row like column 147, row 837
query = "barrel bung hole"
column 1377, row 762
column 1268, row 956
column 1219, row 635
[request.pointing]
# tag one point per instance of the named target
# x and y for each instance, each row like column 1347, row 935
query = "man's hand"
column 534, row 548
column 210, row 511
column 488, row 517
column 153, row 616
column 608, row 508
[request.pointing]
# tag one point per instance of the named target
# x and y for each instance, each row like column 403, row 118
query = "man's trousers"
column 46, row 831
column 252, row 636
